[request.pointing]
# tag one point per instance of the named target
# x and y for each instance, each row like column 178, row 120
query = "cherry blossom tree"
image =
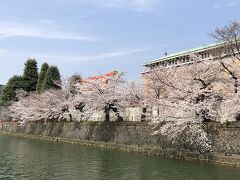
column 229, row 38
column 229, row 109
column 76, row 101
column 113, row 94
column 187, row 98
column 52, row 105
column 204, row 90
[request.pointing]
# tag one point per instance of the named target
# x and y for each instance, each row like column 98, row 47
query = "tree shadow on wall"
column 106, row 131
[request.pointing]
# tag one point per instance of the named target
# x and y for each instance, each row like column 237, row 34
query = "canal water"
column 35, row 159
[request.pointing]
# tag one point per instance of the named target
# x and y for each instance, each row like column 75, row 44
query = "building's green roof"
column 183, row 53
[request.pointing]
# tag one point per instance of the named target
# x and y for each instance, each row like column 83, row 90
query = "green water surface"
column 34, row 159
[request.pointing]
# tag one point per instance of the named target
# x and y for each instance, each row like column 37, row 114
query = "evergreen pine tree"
column 30, row 75
column 1, row 90
column 41, row 77
column 9, row 91
column 52, row 77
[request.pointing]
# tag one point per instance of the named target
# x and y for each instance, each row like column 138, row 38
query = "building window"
column 208, row 54
column 176, row 60
column 184, row 60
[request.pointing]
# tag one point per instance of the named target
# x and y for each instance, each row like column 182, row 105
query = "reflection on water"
column 32, row 159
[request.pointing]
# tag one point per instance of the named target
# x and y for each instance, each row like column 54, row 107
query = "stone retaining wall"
column 134, row 136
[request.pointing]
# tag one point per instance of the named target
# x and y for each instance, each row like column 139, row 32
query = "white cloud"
column 3, row 51
column 103, row 56
column 224, row 3
column 216, row 6
column 233, row 2
column 136, row 5
column 47, row 21
column 80, row 17
column 53, row 58
column 40, row 30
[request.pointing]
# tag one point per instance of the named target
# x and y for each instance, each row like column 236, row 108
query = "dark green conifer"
column 30, row 75
column 41, row 77
column 9, row 91
column 52, row 79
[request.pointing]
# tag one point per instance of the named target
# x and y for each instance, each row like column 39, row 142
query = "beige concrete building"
column 212, row 51
column 181, row 58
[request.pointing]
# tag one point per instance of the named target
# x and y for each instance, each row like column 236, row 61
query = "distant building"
column 181, row 58
column 208, row 52
column 102, row 78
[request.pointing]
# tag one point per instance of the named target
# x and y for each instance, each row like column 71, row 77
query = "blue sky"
column 91, row 36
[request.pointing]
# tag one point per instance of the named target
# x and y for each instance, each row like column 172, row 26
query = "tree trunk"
column 107, row 114
column 119, row 118
column 236, row 85
column 143, row 116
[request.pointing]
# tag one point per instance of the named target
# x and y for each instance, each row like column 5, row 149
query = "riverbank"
column 133, row 136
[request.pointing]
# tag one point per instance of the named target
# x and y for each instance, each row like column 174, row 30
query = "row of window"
column 172, row 62
column 185, row 59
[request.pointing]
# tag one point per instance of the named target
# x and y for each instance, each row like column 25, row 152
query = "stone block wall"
column 135, row 136
column 226, row 139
